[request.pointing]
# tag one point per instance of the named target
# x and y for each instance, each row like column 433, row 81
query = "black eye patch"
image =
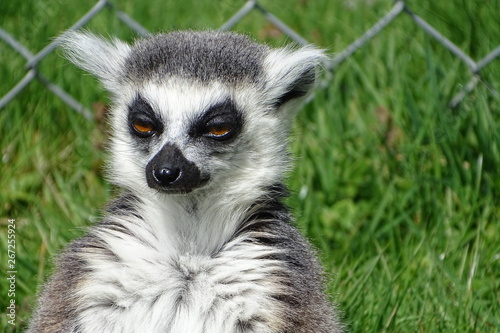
column 143, row 121
column 221, row 122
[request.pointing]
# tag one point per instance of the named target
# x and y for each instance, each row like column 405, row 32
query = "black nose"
column 166, row 176
column 170, row 172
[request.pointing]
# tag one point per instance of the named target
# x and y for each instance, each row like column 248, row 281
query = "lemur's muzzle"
column 169, row 171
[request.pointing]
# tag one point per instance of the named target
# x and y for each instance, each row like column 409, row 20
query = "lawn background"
column 399, row 193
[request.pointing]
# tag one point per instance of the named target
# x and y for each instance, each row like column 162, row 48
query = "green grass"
column 399, row 193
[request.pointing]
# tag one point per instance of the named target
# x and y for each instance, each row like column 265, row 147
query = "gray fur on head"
column 199, row 240
column 204, row 56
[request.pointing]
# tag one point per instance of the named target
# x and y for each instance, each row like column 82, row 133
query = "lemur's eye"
column 143, row 127
column 219, row 124
column 142, row 120
column 219, row 131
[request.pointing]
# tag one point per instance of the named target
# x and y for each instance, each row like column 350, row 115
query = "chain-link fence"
column 399, row 8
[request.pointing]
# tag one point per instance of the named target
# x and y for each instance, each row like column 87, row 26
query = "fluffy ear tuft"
column 102, row 58
column 291, row 74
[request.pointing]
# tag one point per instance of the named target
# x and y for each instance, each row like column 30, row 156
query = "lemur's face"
column 186, row 135
column 197, row 110
column 207, row 133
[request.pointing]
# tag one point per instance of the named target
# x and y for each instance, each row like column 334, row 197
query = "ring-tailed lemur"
column 199, row 240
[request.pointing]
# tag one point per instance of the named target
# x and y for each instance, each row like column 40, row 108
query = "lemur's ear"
column 100, row 57
column 291, row 74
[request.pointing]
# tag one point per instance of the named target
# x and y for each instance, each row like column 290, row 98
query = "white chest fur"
column 145, row 291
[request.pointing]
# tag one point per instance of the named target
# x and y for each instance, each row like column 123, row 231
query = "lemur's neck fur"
column 197, row 224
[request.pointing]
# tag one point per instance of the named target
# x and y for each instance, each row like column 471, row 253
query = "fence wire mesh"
column 399, row 8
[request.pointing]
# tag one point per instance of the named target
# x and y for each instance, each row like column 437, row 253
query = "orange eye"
column 143, row 127
column 219, row 130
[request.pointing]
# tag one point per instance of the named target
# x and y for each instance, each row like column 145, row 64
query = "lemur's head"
column 197, row 110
